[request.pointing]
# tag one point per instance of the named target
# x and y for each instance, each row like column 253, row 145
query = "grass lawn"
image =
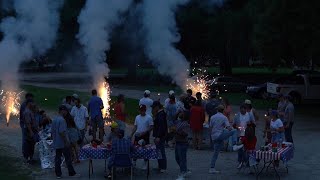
column 50, row 99
column 235, row 70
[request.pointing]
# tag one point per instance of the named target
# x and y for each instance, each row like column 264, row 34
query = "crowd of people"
column 170, row 125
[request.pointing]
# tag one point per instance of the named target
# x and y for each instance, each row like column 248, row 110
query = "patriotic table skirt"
column 283, row 154
column 88, row 152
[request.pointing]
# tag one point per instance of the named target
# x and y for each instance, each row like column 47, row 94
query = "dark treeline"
column 276, row 32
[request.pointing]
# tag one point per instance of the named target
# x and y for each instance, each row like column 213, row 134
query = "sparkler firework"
column 10, row 101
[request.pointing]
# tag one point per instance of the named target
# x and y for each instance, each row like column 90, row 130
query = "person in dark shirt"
column 23, row 106
column 160, row 132
column 188, row 100
column 29, row 131
column 181, row 136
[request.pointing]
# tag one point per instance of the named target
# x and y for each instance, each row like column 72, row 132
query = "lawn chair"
column 122, row 161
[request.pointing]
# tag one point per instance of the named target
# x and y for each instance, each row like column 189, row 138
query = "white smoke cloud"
column 162, row 34
column 97, row 20
column 31, row 33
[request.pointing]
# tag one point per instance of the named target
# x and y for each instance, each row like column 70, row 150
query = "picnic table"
column 87, row 152
column 269, row 158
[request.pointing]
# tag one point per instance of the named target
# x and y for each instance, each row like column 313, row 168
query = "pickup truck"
column 301, row 87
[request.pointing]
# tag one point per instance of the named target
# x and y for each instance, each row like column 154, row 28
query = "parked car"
column 227, row 84
column 258, row 91
column 301, row 87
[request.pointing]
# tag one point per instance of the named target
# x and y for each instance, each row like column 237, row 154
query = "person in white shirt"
column 147, row 101
column 81, row 118
column 220, row 131
column 143, row 126
column 241, row 120
column 167, row 101
column 252, row 112
column 276, row 127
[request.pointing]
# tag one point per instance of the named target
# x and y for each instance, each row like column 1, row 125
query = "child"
column 249, row 142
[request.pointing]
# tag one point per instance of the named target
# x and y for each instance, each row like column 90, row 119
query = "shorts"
column 97, row 122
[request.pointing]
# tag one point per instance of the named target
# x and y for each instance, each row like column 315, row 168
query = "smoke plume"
column 162, row 34
column 29, row 34
column 97, row 20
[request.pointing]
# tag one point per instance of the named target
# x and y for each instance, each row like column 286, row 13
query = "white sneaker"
column 237, row 147
column 185, row 174
column 145, row 166
column 213, row 171
column 162, row 171
column 240, row 165
column 180, row 177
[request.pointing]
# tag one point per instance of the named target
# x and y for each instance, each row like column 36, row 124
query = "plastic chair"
column 122, row 161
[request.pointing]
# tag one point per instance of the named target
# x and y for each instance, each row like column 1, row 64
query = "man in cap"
column 95, row 106
column 220, row 131
column 143, row 126
column 160, row 132
column 147, row 101
column 61, row 143
column 252, row 112
column 167, row 101
column 288, row 118
column 114, row 132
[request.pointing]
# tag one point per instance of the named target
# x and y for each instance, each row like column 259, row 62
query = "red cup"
column 274, row 145
column 108, row 146
column 283, row 146
column 94, row 145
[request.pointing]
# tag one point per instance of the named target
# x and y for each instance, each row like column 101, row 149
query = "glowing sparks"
column 198, row 83
column 11, row 103
column 104, row 93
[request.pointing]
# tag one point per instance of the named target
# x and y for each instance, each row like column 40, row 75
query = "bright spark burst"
column 198, row 83
column 104, row 93
column 11, row 102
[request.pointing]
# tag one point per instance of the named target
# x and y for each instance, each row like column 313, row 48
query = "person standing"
column 181, row 136
column 23, row 106
column 61, row 143
column 288, row 119
column 197, row 118
column 171, row 112
column 276, row 127
column 95, row 106
column 200, row 99
column 160, row 131
column 120, row 112
column 188, row 100
column 167, row 101
column 252, row 112
column 73, row 135
column 143, row 126
column 220, row 131
column 147, row 101
column 281, row 107
column 29, row 131
column 212, row 104
column 68, row 103
column 81, row 118
column 228, row 109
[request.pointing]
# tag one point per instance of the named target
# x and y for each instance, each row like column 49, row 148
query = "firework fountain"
column 97, row 20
